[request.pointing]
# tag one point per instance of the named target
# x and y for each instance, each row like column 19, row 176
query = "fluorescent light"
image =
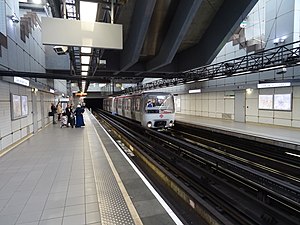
column 249, row 91
column 289, row 153
column 88, row 11
column 204, row 79
column 84, row 68
column 22, row 81
column 223, row 76
column 272, row 68
column 85, row 59
column 272, row 85
column 84, row 73
column 241, row 73
column 86, row 50
column 190, row 82
column 194, row 91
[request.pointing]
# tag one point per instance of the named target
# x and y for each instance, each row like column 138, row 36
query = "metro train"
column 152, row 109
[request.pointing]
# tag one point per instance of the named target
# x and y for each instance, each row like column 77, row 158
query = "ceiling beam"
column 139, row 25
column 225, row 22
column 182, row 19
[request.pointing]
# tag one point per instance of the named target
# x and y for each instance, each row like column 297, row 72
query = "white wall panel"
column 265, row 113
column 220, row 105
column 229, row 106
column 12, row 54
column 81, row 33
column 282, row 122
column 253, row 119
column 16, row 136
column 266, row 120
column 205, row 106
column 6, row 141
column 296, row 108
column 296, row 123
column 5, row 118
column 282, row 115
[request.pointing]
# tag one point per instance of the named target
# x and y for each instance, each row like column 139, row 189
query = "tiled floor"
column 49, row 180
column 65, row 176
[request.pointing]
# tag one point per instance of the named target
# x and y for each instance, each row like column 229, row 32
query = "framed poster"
column 283, row 102
column 265, row 102
column 15, row 106
column 24, row 105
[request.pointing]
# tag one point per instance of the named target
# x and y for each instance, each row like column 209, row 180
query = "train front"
column 159, row 110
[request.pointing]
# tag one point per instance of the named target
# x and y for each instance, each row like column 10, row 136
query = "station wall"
column 38, row 105
column 221, row 105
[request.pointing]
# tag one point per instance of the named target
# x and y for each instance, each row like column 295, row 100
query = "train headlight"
column 171, row 124
column 149, row 124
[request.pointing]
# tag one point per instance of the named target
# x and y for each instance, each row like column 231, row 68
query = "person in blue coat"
column 79, row 116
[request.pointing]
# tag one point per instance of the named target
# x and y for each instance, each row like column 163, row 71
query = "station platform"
column 76, row 176
column 277, row 135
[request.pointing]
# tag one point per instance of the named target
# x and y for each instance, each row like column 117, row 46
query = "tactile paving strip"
column 113, row 208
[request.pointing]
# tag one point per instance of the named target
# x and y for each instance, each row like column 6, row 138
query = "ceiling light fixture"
column 84, row 68
column 85, row 59
column 86, row 50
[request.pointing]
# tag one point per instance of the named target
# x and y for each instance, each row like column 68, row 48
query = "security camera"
column 60, row 50
column 14, row 18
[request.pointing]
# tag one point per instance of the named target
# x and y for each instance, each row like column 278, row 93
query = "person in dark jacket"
column 53, row 111
column 69, row 112
column 79, row 117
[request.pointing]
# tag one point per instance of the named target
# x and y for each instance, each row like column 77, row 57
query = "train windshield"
column 160, row 103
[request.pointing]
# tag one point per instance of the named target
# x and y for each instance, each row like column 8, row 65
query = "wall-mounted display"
column 19, row 106
column 265, row 102
column 283, row 102
column 24, row 105
column 15, row 106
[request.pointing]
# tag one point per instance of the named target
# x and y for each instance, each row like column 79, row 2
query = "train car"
column 151, row 109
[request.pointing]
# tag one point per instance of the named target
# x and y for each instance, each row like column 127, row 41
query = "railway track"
column 221, row 189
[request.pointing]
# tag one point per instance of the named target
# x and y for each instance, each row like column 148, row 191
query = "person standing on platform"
column 53, row 111
column 79, row 117
column 68, row 112
column 58, row 110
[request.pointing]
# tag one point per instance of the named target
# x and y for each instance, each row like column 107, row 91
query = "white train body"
column 151, row 109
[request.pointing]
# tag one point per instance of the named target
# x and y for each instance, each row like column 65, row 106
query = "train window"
column 120, row 103
column 161, row 102
column 137, row 105
column 128, row 103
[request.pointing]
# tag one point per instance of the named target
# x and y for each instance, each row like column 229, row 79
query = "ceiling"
column 162, row 38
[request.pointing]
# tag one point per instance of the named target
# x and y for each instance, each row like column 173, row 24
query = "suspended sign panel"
column 65, row 32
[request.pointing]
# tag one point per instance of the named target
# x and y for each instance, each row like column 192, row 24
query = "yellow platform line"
column 132, row 210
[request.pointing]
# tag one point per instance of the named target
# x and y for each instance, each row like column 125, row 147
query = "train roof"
column 143, row 93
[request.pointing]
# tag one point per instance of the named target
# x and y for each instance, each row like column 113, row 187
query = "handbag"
column 50, row 114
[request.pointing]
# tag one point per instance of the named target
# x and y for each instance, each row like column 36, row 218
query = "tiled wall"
column 20, row 56
column 13, row 130
column 220, row 104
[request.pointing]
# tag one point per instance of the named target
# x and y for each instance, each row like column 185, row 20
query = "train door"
column 127, row 108
column 137, row 108
column 132, row 107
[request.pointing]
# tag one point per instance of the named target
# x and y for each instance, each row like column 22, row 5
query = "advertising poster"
column 24, row 105
column 265, row 102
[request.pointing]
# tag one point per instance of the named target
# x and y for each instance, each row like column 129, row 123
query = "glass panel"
column 160, row 103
